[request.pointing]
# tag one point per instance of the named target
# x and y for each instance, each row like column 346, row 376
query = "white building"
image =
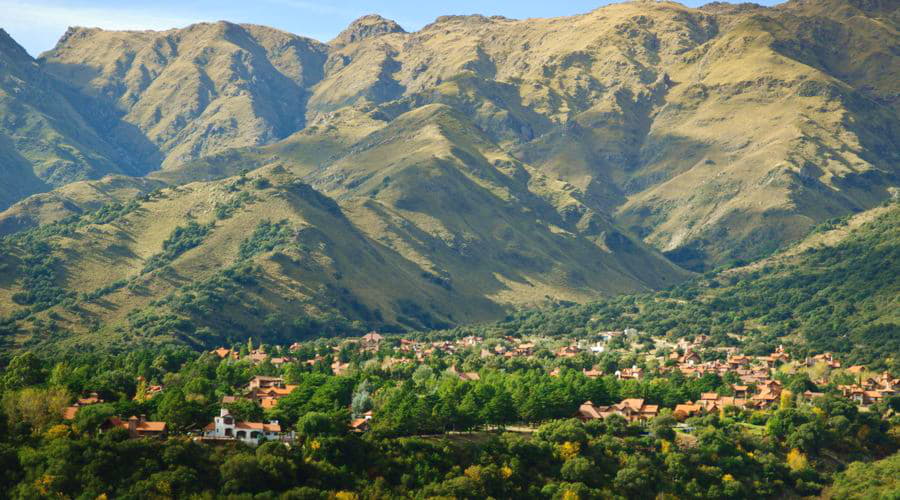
column 226, row 427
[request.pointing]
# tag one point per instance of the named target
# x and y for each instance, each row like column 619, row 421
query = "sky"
column 38, row 24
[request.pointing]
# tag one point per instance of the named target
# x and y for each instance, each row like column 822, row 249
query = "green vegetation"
column 842, row 298
column 182, row 239
column 874, row 481
column 227, row 209
column 266, row 237
column 38, row 274
column 432, row 434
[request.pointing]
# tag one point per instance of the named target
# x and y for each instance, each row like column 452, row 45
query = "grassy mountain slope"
column 117, row 278
column 481, row 163
column 194, row 91
column 714, row 133
column 449, row 230
column 45, row 141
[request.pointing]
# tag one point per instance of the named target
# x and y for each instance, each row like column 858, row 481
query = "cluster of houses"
column 756, row 388
column 871, row 390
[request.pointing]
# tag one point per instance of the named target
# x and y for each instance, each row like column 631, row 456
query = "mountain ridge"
column 505, row 162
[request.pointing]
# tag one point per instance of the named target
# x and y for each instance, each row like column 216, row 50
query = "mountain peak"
column 367, row 26
column 11, row 49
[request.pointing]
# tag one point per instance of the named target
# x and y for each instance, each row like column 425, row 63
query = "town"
column 747, row 383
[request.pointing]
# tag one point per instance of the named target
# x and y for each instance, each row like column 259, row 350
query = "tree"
column 786, row 400
column 242, row 473
column 317, row 423
column 797, row 461
column 178, row 412
column 578, row 470
column 361, row 402
column 24, row 370
column 35, row 408
column 663, row 426
column 90, row 418
column 245, row 410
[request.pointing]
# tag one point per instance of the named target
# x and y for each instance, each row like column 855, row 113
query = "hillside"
column 482, row 163
column 46, row 138
column 434, row 241
column 196, row 91
column 838, row 290
column 713, row 134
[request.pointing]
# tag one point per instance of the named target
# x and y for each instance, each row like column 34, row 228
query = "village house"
column 826, row 358
column 689, row 358
column 465, row 376
column 91, row 399
column 856, row 369
column 738, row 361
column 280, row 360
column 268, row 397
column 888, row 382
column 257, row 356
column 769, row 394
column 264, row 382
column 569, row 351
column 137, row 427
column 808, row 396
column 224, row 352
column 339, row 368
column 633, row 373
column 470, row 341
column 361, row 424
column 522, row 350
column 633, row 410
column 686, row 410
column 226, row 427
column 371, row 341
column 608, row 336
column 711, row 402
column 592, row 373
column 153, row 391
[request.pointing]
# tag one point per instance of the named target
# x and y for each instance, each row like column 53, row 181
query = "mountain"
column 46, row 139
column 196, row 91
column 430, row 243
column 714, row 134
column 477, row 165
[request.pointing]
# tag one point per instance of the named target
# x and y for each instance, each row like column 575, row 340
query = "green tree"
column 24, row 370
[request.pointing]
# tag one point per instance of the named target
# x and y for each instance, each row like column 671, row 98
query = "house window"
column 254, row 435
column 241, row 435
column 229, row 432
column 228, row 421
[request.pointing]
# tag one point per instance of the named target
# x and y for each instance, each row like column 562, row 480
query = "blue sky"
column 37, row 24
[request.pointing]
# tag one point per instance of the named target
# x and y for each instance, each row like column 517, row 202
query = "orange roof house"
column 687, row 410
column 633, row 410
column 137, row 427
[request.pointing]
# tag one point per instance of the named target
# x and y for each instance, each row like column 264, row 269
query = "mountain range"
column 224, row 177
